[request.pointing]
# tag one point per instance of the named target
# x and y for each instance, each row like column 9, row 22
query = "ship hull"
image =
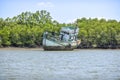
column 57, row 48
column 56, row 45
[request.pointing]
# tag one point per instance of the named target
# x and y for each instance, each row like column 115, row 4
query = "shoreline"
column 20, row 48
column 41, row 49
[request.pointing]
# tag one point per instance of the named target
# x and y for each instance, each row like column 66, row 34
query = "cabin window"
column 62, row 37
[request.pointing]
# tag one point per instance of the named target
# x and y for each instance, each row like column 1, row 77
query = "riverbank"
column 19, row 48
column 40, row 48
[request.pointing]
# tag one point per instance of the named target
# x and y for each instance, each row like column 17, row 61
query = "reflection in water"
column 60, row 65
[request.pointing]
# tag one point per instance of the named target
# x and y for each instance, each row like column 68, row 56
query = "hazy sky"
column 63, row 10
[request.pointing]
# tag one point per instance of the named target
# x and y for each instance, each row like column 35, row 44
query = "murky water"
column 60, row 65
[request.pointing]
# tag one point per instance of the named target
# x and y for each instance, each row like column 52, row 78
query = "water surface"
column 60, row 65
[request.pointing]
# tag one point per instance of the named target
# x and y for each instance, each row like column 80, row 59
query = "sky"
column 64, row 11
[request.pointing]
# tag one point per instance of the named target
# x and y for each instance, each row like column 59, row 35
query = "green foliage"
column 96, row 33
column 26, row 29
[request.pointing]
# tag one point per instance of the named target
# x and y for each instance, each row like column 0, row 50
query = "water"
column 60, row 65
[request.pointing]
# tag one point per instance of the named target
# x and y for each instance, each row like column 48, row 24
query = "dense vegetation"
column 26, row 29
column 99, row 33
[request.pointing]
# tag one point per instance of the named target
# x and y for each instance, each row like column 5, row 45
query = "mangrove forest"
column 26, row 29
